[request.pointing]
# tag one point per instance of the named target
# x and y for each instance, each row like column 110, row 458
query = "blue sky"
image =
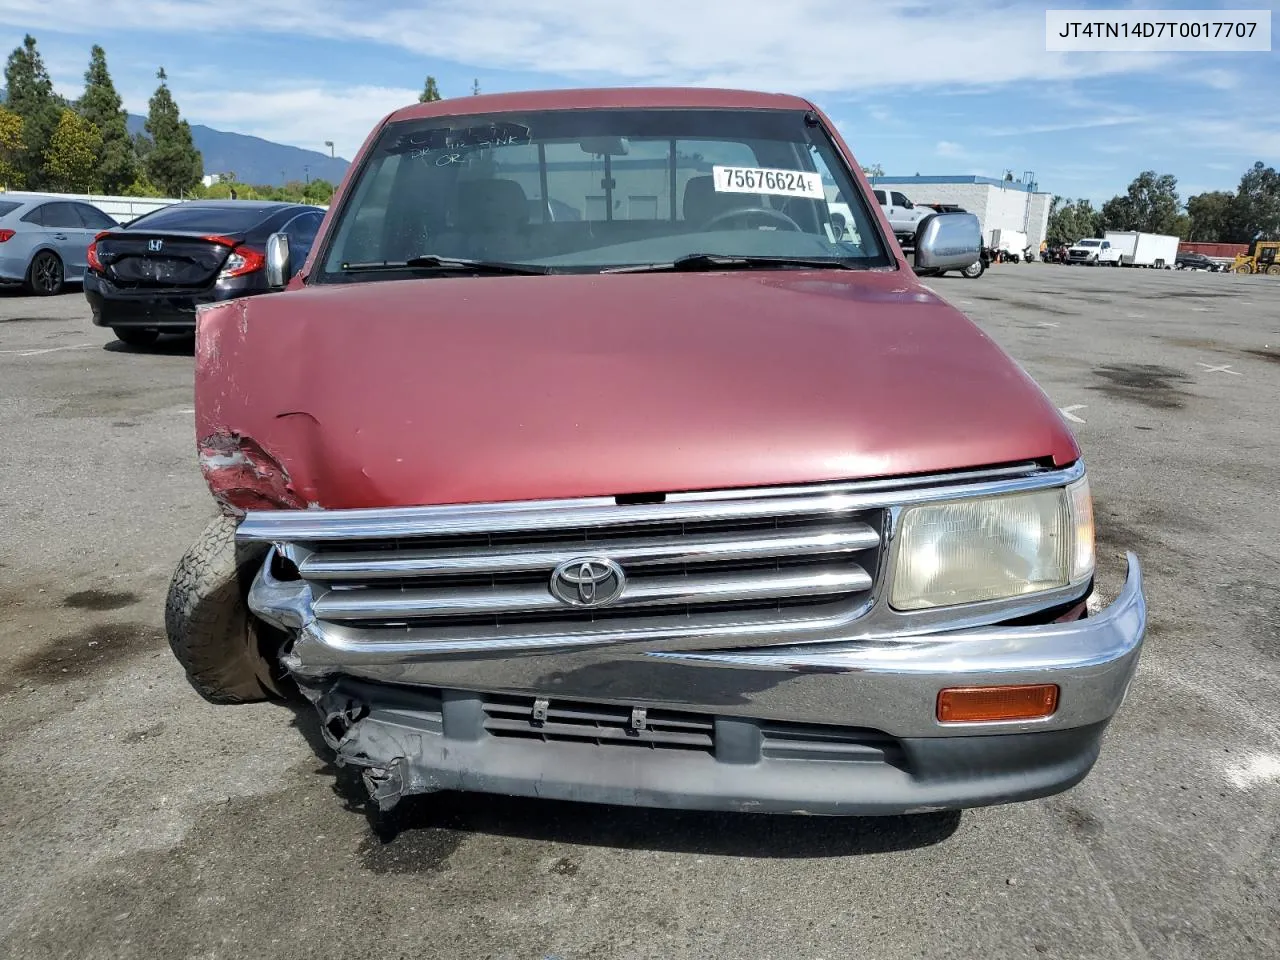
column 916, row 86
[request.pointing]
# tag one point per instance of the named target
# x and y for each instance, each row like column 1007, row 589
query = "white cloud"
column 1255, row 138
column 814, row 47
column 946, row 148
column 303, row 116
column 1087, row 123
column 1217, row 79
column 818, row 46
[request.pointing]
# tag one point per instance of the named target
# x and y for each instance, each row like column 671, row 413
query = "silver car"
column 44, row 240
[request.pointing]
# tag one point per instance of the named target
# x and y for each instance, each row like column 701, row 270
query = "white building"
column 998, row 204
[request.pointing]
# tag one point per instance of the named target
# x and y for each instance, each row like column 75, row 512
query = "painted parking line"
column 35, row 353
column 1221, row 368
column 1067, row 412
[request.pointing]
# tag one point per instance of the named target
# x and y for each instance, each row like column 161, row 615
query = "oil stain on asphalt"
column 1149, row 384
column 100, row 600
column 87, row 651
column 1271, row 356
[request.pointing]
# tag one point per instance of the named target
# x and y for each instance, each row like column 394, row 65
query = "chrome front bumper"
column 889, row 685
column 414, row 721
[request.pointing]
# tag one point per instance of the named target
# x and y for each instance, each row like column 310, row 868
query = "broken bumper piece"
column 412, row 741
column 846, row 727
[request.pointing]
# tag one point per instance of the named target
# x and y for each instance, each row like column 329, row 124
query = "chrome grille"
column 810, row 558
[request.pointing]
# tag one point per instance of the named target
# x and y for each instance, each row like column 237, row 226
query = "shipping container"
column 1218, row 250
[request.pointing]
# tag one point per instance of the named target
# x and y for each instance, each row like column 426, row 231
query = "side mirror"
column 948, row 241
column 278, row 266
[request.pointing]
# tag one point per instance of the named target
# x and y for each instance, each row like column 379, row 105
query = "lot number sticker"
column 782, row 183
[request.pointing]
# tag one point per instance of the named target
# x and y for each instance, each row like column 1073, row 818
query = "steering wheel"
column 766, row 213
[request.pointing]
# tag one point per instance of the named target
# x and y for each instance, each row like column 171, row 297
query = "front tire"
column 1274, row 270
column 974, row 270
column 229, row 656
column 136, row 337
column 45, row 275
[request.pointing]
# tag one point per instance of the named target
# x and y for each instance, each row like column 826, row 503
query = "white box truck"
column 1145, row 249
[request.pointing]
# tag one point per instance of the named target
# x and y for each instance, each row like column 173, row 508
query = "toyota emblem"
column 588, row 582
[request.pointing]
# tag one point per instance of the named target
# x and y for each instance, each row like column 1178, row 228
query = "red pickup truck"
column 585, row 458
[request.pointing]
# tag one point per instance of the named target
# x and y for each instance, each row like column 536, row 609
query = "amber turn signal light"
column 989, row 704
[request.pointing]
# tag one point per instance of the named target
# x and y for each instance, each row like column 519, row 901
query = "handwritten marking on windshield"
column 456, row 149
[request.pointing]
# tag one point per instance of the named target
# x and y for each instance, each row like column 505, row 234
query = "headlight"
column 993, row 548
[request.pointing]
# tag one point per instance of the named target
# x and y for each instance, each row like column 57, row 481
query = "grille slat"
column 692, row 548
column 810, row 559
column 373, row 604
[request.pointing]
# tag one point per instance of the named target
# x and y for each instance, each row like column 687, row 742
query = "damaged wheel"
column 228, row 654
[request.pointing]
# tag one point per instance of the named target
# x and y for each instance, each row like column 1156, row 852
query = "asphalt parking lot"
column 138, row 821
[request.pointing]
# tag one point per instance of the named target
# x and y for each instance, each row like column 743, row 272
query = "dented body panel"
column 454, row 390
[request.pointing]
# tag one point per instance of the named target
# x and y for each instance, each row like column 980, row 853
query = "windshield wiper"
column 431, row 261
column 712, row 261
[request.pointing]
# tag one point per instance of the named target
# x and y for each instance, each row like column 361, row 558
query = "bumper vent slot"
column 598, row 724
column 800, row 741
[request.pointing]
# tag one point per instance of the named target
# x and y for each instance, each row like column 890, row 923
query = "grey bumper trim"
column 887, row 684
column 404, row 749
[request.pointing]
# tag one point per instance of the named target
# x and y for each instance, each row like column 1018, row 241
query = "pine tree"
column 11, row 150
column 429, row 92
column 172, row 163
column 30, row 95
column 101, row 106
column 475, row 88
column 71, row 160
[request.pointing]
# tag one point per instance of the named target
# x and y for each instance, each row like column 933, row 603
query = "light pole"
column 329, row 144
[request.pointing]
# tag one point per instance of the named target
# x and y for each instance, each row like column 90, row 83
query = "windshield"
column 1088, row 243
column 588, row 190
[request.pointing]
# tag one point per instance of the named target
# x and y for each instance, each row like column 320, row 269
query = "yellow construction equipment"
column 1263, row 257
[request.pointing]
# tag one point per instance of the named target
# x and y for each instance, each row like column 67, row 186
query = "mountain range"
column 255, row 160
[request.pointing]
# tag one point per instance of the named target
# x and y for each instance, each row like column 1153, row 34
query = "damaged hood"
column 471, row 389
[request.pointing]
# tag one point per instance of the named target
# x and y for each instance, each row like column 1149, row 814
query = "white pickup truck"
column 904, row 216
column 1094, row 252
